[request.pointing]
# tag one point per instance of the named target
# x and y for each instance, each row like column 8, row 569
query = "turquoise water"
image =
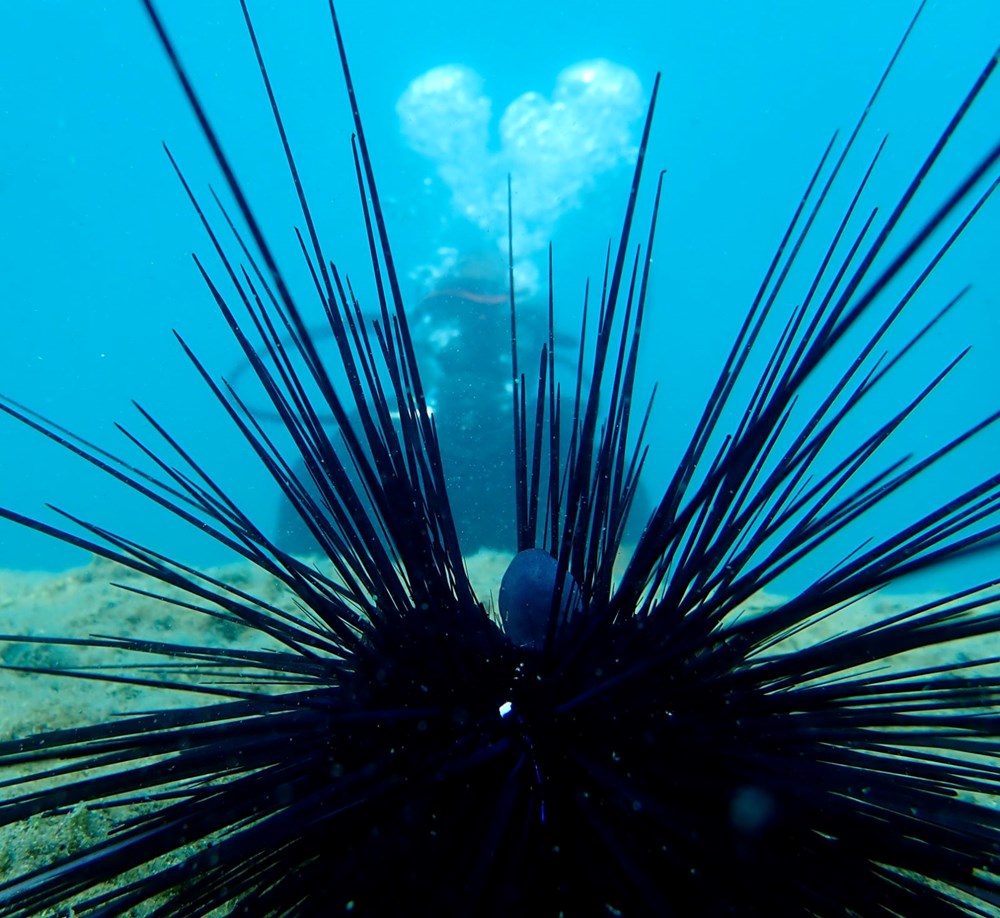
column 95, row 233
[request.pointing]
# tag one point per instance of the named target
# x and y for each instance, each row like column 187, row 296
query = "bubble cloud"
column 553, row 149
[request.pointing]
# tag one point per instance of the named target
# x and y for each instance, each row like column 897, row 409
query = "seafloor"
column 95, row 600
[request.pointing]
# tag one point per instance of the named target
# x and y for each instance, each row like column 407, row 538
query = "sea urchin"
column 642, row 740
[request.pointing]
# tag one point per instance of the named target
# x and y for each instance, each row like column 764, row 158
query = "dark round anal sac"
column 527, row 595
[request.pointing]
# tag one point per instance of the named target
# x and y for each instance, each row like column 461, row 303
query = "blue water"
column 96, row 236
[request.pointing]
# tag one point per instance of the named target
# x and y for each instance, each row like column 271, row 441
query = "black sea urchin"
column 639, row 742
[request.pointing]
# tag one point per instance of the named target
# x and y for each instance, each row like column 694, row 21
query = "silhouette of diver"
column 461, row 335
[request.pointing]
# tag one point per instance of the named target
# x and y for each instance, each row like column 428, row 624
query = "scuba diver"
column 461, row 336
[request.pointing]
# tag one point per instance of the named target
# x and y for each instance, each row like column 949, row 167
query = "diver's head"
column 462, row 325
